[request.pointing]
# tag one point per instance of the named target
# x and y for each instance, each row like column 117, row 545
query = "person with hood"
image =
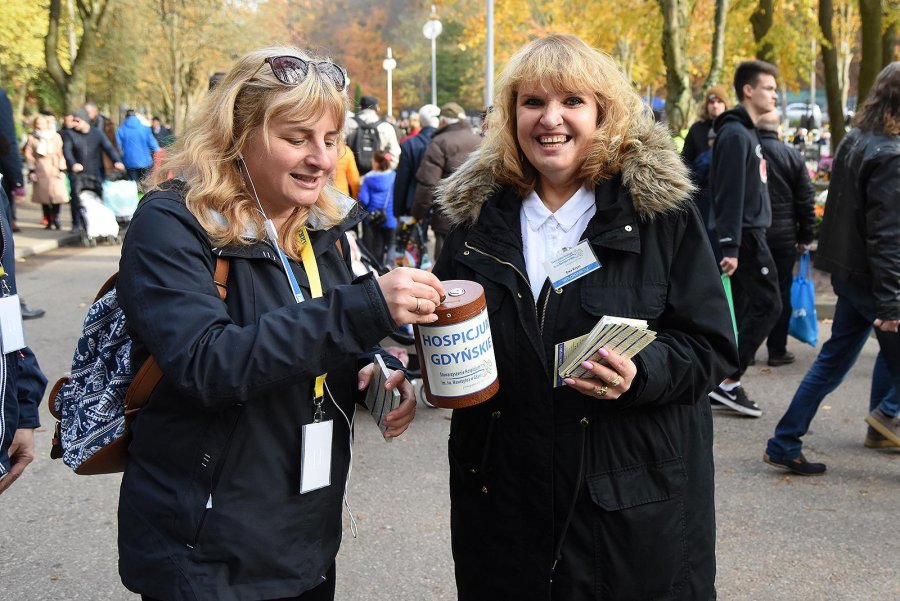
column 411, row 152
column 239, row 461
column 137, row 143
column 715, row 102
column 376, row 195
column 742, row 209
column 601, row 488
column 859, row 245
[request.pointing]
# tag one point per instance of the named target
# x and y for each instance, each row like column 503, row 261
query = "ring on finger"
column 418, row 304
column 615, row 381
column 600, row 390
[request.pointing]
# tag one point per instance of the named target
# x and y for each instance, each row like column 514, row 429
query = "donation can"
column 456, row 352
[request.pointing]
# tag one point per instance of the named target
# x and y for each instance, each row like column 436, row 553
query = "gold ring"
column 615, row 381
column 600, row 390
column 418, row 304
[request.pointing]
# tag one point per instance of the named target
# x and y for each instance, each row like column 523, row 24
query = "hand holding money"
column 609, row 378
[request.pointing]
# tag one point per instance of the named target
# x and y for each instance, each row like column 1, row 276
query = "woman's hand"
column 612, row 378
column 411, row 295
column 399, row 419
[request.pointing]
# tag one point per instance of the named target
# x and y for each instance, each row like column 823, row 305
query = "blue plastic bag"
column 803, row 324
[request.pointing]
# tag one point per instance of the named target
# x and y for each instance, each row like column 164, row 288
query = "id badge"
column 571, row 264
column 12, row 336
column 315, row 455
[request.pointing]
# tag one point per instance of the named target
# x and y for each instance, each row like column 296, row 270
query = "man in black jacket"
column 859, row 244
column 793, row 220
column 84, row 147
column 743, row 212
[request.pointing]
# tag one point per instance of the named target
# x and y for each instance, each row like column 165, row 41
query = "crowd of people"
column 599, row 486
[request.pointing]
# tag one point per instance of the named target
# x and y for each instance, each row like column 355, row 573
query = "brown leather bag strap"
column 149, row 375
column 221, row 276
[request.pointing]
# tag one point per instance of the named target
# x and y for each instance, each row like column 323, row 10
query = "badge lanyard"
column 315, row 285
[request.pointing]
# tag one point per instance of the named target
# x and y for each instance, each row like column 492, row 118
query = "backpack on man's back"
column 365, row 142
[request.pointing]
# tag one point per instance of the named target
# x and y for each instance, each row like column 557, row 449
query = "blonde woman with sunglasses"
column 239, row 463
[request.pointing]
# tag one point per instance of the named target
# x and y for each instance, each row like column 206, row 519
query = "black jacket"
column 860, row 236
column 696, row 142
column 647, row 489
column 791, row 194
column 738, row 177
column 88, row 149
column 210, row 507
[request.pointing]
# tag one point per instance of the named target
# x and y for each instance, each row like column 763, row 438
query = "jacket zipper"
column 543, row 314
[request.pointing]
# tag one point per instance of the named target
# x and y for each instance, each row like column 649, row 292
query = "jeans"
column 852, row 325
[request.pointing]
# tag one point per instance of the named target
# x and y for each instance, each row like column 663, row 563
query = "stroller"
column 99, row 222
column 121, row 196
column 411, row 243
column 401, row 342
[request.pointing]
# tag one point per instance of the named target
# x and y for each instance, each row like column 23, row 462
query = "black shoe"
column 776, row 360
column 736, row 399
column 31, row 313
column 799, row 465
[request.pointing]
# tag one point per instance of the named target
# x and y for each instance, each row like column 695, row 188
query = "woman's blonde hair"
column 564, row 63
column 206, row 155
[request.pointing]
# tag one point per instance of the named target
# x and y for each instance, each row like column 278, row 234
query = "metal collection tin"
column 457, row 351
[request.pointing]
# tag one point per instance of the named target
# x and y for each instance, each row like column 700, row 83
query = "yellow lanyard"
column 315, row 287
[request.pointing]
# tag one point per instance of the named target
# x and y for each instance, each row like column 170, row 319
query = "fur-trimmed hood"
column 653, row 173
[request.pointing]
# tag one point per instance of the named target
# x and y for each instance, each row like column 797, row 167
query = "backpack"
column 96, row 404
column 365, row 142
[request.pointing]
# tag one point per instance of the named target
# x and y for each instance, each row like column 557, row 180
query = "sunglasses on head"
column 292, row 70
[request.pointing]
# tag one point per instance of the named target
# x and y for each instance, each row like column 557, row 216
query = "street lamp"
column 432, row 29
column 389, row 65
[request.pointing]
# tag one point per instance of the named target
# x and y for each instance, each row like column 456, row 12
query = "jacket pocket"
column 638, row 528
column 196, row 501
column 470, row 467
column 642, row 300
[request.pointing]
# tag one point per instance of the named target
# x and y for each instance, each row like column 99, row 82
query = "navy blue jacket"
column 10, row 159
column 25, row 383
column 210, row 506
column 411, row 153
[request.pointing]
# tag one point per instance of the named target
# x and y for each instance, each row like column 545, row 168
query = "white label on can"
column 459, row 358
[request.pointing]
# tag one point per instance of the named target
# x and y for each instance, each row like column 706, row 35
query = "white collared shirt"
column 546, row 234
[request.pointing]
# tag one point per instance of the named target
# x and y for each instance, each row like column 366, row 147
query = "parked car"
column 801, row 114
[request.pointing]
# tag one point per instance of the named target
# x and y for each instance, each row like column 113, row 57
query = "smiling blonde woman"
column 598, row 487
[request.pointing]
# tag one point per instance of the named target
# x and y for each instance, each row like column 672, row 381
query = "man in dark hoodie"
column 743, row 212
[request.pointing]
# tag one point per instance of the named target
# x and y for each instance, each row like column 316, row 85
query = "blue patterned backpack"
column 96, row 403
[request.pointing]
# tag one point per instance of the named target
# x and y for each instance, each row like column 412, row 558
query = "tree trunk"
column 761, row 20
column 888, row 46
column 678, row 83
column 717, row 60
column 832, row 77
column 73, row 86
column 871, row 51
